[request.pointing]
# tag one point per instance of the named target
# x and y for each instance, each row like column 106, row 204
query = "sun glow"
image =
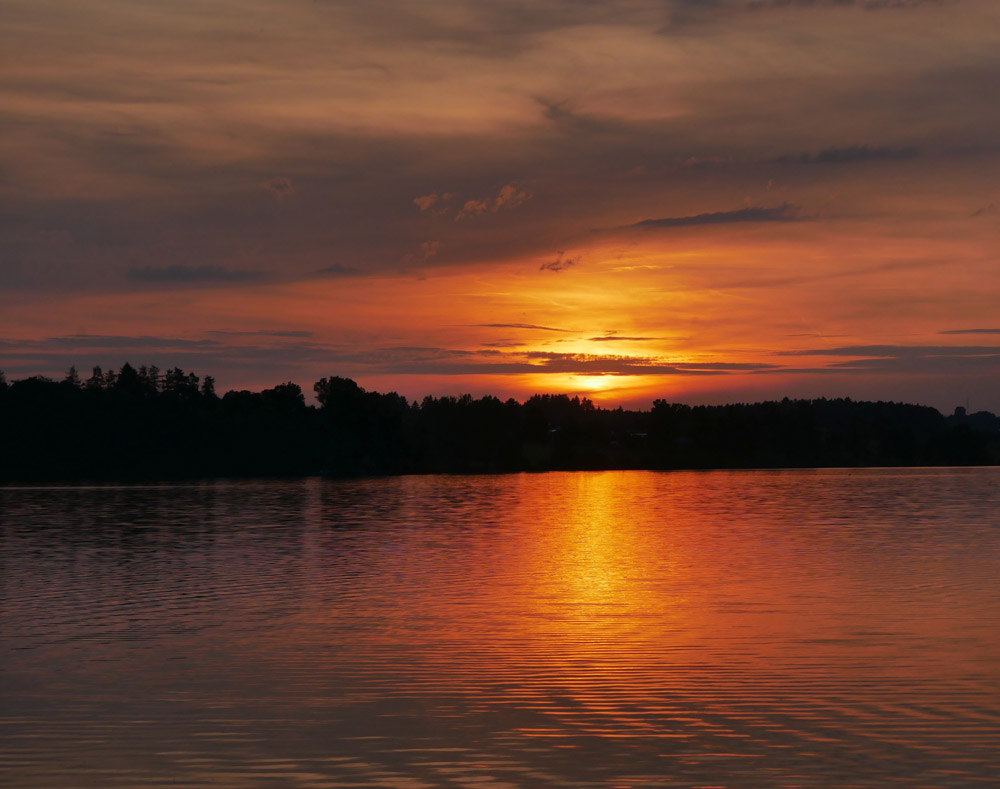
column 596, row 383
column 604, row 390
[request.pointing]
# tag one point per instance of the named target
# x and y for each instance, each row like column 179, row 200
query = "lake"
column 613, row 629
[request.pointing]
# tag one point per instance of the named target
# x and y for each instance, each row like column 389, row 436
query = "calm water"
column 625, row 629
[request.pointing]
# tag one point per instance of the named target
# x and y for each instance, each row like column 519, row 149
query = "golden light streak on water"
column 751, row 629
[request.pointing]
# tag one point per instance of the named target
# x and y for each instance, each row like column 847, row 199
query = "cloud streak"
column 279, row 187
column 786, row 212
column 191, row 274
column 561, row 263
column 99, row 342
column 898, row 351
column 337, row 270
column 510, row 196
column 441, row 361
column 867, row 5
column 620, row 338
column 521, row 326
column 850, row 155
column 296, row 334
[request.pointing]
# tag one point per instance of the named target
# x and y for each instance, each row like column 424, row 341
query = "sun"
column 600, row 388
column 595, row 383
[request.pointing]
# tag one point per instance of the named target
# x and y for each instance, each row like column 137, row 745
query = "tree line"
column 147, row 424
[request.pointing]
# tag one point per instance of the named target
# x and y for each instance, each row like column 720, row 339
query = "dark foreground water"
column 776, row 629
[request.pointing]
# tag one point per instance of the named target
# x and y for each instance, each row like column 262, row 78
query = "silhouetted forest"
column 143, row 423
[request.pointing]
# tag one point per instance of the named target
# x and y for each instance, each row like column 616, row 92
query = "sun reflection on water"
column 565, row 630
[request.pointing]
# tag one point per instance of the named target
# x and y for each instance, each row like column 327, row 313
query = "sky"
column 702, row 201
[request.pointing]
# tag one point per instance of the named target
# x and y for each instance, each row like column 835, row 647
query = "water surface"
column 616, row 629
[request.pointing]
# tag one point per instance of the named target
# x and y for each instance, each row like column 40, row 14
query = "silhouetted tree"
column 96, row 380
column 286, row 397
column 180, row 386
column 136, row 424
column 128, row 381
column 337, row 392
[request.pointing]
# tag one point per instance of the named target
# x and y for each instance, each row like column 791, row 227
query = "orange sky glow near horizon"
column 704, row 203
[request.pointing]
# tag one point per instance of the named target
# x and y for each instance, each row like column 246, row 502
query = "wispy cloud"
column 897, row 351
column 279, row 187
column 425, row 202
column 561, row 263
column 574, row 123
column 688, row 13
column 263, row 333
column 186, row 274
column 786, row 212
column 105, row 342
column 867, row 5
column 428, row 249
column 509, row 196
column 337, row 270
column 620, row 338
column 428, row 201
column 520, row 326
column 943, row 360
column 850, row 154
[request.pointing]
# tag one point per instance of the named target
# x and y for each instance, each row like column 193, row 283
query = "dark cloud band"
column 782, row 213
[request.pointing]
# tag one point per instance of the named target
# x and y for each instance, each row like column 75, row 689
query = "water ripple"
column 619, row 629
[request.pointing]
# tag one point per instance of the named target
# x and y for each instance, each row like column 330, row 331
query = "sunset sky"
column 700, row 200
